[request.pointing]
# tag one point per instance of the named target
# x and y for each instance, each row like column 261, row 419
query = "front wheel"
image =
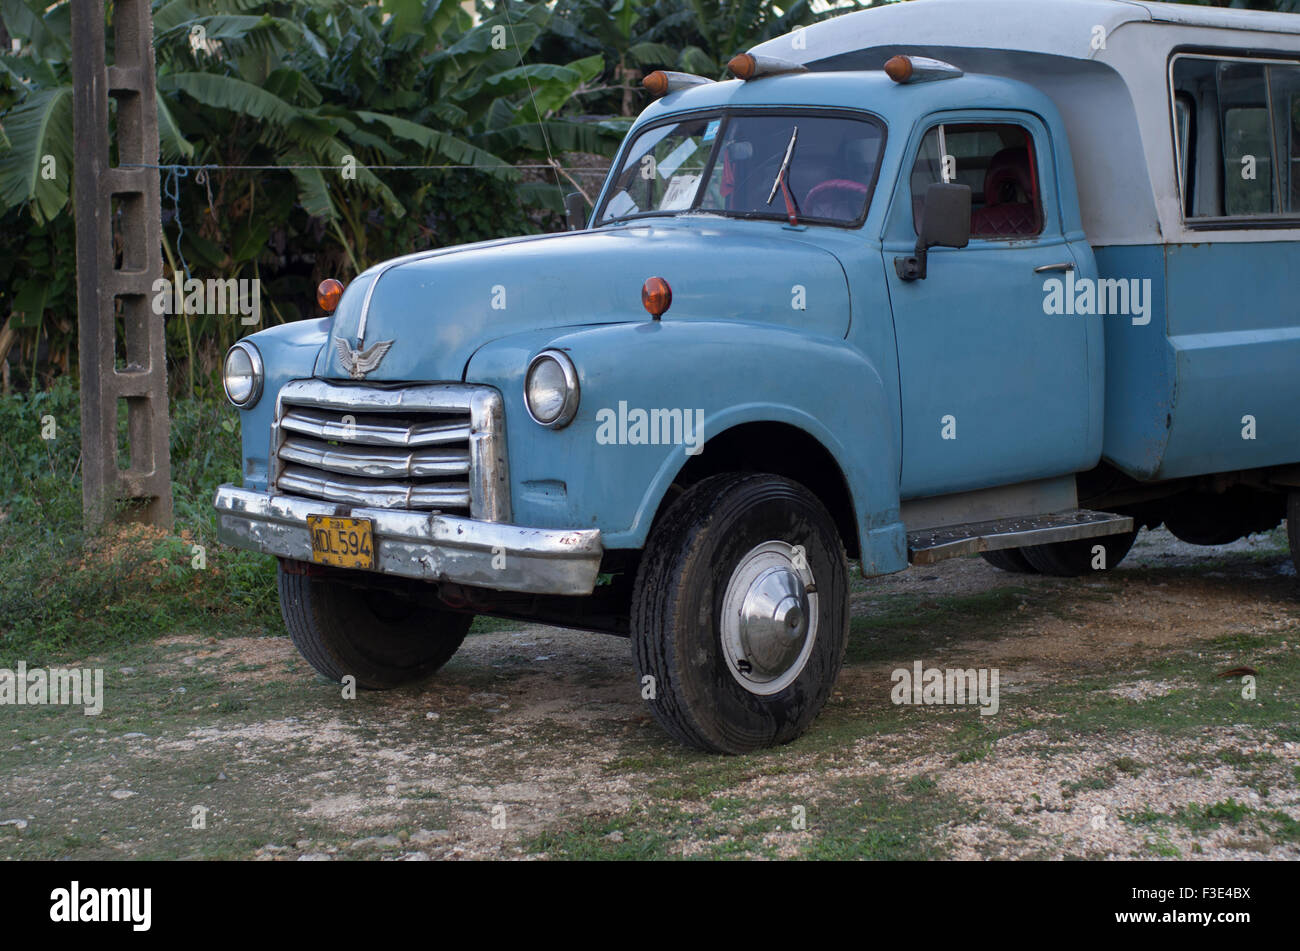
column 740, row 613
column 378, row 637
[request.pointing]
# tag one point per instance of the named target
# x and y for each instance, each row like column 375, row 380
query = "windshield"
column 744, row 165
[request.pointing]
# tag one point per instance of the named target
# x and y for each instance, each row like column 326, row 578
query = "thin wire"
column 541, row 126
column 172, row 188
column 176, row 171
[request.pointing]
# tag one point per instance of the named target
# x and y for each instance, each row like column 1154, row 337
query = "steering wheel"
column 829, row 196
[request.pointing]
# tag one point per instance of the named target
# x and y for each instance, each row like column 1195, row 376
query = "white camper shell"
column 1108, row 65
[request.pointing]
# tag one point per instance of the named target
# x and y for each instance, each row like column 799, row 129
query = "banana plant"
column 324, row 81
column 36, row 155
column 616, row 31
column 334, row 92
column 694, row 36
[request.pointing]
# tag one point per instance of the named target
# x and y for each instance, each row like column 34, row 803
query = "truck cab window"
column 1248, row 178
column 1284, row 93
column 997, row 162
column 728, row 164
column 663, row 169
column 1238, row 147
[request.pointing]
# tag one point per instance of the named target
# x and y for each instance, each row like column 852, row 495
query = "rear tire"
column 1293, row 527
column 740, row 613
column 1204, row 519
column 376, row 636
column 1071, row 559
column 1009, row 559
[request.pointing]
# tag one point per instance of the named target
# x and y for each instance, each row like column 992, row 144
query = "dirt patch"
column 234, row 659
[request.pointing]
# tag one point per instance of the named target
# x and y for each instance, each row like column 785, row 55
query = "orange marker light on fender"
column 898, row 68
column 656, row 296
column 328, row 294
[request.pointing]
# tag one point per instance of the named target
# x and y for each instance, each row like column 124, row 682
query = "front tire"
column 740, row 613
column 378, row 637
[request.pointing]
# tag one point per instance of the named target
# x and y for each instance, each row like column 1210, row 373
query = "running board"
column 931, row 545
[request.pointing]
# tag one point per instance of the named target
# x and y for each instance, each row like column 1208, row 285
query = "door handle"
column 1063, row 266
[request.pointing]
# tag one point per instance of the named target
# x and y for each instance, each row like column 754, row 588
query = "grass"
column 1100, row 779
column 65, row 590
column 884, row 626
column 875, row 818
column 1267, row 825
column 858, row 818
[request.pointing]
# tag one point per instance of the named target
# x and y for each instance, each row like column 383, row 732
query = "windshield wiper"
column 791, row 209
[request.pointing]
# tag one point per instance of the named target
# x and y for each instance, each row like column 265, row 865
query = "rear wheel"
column 1009, row 559
column 1200, row 518
column 1293, row 527
column 377, row 636
column 740, row 613
column 1080, row 557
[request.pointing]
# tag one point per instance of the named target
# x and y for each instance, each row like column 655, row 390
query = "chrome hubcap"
column 769, row 617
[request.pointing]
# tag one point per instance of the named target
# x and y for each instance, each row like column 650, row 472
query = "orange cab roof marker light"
column 662, row 81
column 749, row 66
column 919, row 69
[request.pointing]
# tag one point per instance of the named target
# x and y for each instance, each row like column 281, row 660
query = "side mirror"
column 575, row 211
column 945, row 223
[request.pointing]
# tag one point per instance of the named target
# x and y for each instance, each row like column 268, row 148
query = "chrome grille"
column 425, row 447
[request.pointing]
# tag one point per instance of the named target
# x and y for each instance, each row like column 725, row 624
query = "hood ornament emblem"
column 360, row 362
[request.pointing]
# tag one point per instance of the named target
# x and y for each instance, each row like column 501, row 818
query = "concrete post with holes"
column 119, row 257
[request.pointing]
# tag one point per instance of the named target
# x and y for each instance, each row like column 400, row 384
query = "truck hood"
column 438, row 307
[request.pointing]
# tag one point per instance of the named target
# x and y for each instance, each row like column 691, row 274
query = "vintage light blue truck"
column 933, row 279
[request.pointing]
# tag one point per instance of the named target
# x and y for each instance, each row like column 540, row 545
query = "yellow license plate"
column 342, row 542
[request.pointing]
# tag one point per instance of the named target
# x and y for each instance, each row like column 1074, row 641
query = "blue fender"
column 726, row 372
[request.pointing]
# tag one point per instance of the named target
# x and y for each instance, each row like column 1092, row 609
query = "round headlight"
column 242, row 375
column 551, row 389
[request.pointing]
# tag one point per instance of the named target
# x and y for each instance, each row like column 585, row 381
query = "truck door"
column 995, row 390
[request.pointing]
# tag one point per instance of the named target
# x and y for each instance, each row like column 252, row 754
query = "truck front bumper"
column 421, row 545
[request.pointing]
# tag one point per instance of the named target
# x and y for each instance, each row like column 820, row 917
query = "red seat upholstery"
column 1009, row 206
